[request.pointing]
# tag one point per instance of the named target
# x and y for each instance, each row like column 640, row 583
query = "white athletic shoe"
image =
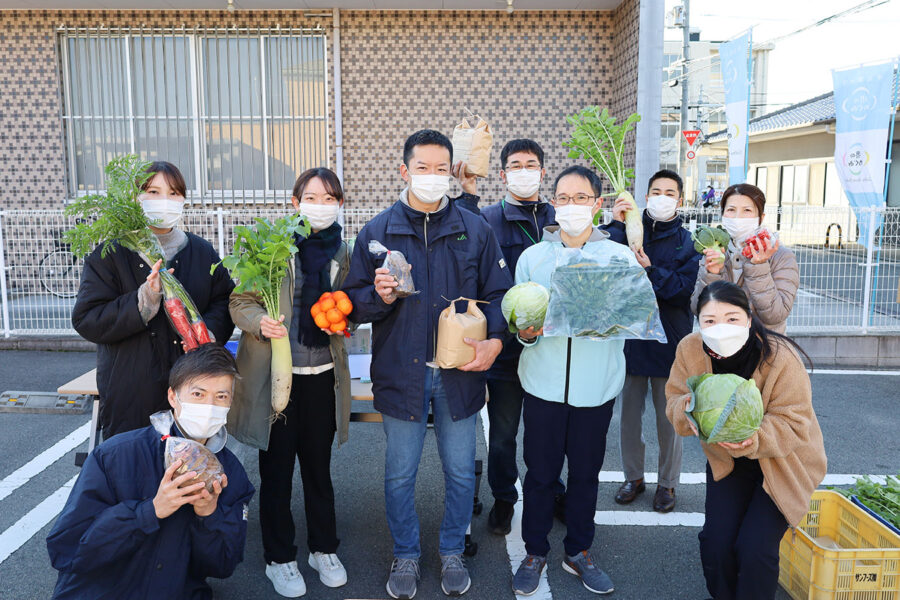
column 286, row 578
column 331, row 571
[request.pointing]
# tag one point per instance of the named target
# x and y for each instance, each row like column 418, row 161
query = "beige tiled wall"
column 402, row 71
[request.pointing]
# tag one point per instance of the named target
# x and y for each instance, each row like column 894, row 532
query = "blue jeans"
column 456, row 446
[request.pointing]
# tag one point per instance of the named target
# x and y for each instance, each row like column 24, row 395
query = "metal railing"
column 846, row 285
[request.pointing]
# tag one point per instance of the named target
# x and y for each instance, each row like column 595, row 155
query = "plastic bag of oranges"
column 331, row 310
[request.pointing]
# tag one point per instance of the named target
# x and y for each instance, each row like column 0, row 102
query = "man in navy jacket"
column 132, row 529
column 671, row 262
column 518, row 221
column 453, row 254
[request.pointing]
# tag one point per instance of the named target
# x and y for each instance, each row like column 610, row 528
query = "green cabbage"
column 725, row 408
column 525, row 305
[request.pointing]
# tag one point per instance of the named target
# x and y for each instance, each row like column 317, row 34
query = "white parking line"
column 698, row 478
column 23, row 474
column 648, row 519
column 515, row 547
column 24, row 529
column 852, row 372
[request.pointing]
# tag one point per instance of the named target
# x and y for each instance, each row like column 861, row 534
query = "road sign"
column 691, row 135
column 691, row 154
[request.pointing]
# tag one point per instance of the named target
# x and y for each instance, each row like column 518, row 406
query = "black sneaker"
column 500, row 517
column 559, row 508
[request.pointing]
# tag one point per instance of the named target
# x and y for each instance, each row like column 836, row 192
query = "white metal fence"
column 846, row 286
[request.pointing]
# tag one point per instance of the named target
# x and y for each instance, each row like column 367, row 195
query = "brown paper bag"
column 472, row 145
column 453, row 329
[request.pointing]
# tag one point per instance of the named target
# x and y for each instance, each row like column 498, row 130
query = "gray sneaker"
column 594, row 579
column 528, row 575
column 402, row 581
column 455, row 580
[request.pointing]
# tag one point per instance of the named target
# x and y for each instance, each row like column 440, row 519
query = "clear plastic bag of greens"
column 601, row 294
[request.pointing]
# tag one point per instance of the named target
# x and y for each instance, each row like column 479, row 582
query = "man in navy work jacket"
column 518, row 221
column 453, row 253
column 132, row 529
column 671, row 262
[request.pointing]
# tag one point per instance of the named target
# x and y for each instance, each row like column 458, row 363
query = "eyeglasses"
column 515, row 168
column 579, row 199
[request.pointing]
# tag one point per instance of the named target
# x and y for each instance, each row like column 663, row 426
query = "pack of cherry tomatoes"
column 759, row 240
column 331, row 311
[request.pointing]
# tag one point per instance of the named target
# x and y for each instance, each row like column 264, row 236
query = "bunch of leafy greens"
column 710, row 237
column 260, row 262
column 116, row 216
column 882, row 499
column 525, row 305
column 725, row 407
column 599, row 140
column 602, row 301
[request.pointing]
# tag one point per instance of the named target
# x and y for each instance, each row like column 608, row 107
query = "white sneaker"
column 331, row 571
column 286, row 578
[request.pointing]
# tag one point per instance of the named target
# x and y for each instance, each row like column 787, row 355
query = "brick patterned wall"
column 626, row 24
column 32, row 154
column 523, row 73
column 402, row 71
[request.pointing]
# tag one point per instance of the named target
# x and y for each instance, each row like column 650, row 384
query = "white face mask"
column 163, row 213
column 574, row 218
column 429, row 188
column 739, row 228
column 201, row 421
column 725, row 339
column 523, row 183
column 661, row 208
column 319, row 216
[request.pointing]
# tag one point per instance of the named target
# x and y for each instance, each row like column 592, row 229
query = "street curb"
column 57, row 344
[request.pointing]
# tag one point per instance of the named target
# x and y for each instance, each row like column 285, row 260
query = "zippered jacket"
column 453, row 254
column 575, row 371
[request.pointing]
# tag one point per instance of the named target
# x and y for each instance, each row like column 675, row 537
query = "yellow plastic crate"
column 867, row 567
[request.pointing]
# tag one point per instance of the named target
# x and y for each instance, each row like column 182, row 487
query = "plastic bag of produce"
column 453, row 329
column 724, row 407
column 598, row 294
column 399, row 269
column 194, row 455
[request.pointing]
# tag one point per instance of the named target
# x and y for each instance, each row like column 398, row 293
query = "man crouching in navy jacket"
column 132, row 529
column 453, row 254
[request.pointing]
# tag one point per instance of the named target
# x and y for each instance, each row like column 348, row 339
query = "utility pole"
column 686, row 55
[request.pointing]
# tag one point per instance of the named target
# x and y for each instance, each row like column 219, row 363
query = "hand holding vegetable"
column 737, row 446
column 622, row 206
column 530, row 333
column 760, row 249
column 385, row 284
column 714, row 260
column 153, row 277
column 687, row 404
column 205, row 505
column 486, row 353
column 642, row 257
column 171, row 496
column 271, row 328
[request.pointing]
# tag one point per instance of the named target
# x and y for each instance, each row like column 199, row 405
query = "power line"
column 714, row 58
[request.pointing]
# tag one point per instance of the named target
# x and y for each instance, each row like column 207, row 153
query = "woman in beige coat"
column 320, row 393
column 770, row 277
column 755, row 489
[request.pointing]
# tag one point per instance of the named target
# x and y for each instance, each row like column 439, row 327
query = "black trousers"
column 305, row 433
column 555, row 432
column 739, row 540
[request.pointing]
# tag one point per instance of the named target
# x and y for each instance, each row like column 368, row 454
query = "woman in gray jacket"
column 770, row 277
column 320, row 393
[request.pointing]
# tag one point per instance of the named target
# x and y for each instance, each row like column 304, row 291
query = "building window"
column 761, row 174
column 834, row 192
column 241, row 115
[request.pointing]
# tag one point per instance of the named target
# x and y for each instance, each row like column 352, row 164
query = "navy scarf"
column 316, row 253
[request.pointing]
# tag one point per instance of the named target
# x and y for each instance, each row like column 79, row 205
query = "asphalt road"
column 858, row 414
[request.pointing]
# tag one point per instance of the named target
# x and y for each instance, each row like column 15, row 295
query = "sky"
column 800, row 66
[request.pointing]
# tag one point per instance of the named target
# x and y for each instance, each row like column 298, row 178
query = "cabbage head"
column 725, row 407
column 525, row 305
